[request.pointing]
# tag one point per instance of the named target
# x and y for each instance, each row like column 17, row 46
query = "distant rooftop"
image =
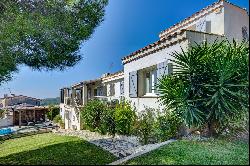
column 17, row 96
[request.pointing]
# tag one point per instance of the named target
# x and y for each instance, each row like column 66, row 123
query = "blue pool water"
column 5, row 131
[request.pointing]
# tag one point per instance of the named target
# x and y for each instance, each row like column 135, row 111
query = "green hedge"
column 104, row 118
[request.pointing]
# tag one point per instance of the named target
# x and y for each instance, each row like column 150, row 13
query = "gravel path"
column 120, row 146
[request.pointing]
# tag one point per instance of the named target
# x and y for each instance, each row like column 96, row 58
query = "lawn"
column 52, row 149
column 184, row 152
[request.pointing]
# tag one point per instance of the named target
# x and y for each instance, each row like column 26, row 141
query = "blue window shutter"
column 170, row 68
column 133, row 84
column 162, row 69
column 122, row 88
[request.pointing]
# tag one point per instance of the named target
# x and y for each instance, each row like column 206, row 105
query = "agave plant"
column 209, row 84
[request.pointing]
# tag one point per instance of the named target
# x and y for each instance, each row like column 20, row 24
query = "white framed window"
column 149, row 82
column 147, row 78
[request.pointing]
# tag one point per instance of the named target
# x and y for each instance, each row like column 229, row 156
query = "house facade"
column 109, row 87
column 142, row 68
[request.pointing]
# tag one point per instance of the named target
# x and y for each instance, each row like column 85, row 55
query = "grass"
column 184, row 152
column 53, row 149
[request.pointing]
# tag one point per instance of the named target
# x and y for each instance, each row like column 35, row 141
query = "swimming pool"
column 5, row 131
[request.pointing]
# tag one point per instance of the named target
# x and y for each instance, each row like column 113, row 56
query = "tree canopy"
column 45, row 34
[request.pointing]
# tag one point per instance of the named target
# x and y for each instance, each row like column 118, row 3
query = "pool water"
column 5, row 131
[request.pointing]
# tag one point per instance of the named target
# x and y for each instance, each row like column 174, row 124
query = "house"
column 18, row 99
column 142, row 68
column 108, row 87
column 19, row 110
column 145, row 66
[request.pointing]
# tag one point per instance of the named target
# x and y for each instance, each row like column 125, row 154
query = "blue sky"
column 128, row 26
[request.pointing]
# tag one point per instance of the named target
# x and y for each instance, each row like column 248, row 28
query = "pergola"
column 28, row 113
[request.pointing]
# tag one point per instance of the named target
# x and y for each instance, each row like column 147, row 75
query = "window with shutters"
column 147, row 81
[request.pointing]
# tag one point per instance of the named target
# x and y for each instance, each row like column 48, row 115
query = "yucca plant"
column 209, row 84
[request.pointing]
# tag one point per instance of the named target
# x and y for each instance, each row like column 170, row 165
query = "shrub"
column 124, row 118
column 108, row 122
column 145, row 126
column 91, row 114
column 52, row 112
column 58, row 119
column 237, row 127
column 62, row 124
column 167, row 126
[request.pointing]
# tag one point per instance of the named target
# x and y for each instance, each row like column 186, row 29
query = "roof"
column 173, row 39
column 85, row 82
column 156, row 46
column 114, row 76
column 26, row 107
column 174, row 27
column 20, row 96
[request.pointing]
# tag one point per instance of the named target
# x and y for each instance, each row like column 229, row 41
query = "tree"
column 210, row 84
column 45, row 34
column 53, row 111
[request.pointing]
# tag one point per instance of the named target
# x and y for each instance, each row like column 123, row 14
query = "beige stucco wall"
column 235, row 19
column 215, row 16
column 197, row 37
column 150, row 60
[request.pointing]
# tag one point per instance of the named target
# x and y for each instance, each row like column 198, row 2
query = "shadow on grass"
column 68, row 153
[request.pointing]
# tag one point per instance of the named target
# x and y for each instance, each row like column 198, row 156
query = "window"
column 149, row 82
column 146, row 81
column 98, row 91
